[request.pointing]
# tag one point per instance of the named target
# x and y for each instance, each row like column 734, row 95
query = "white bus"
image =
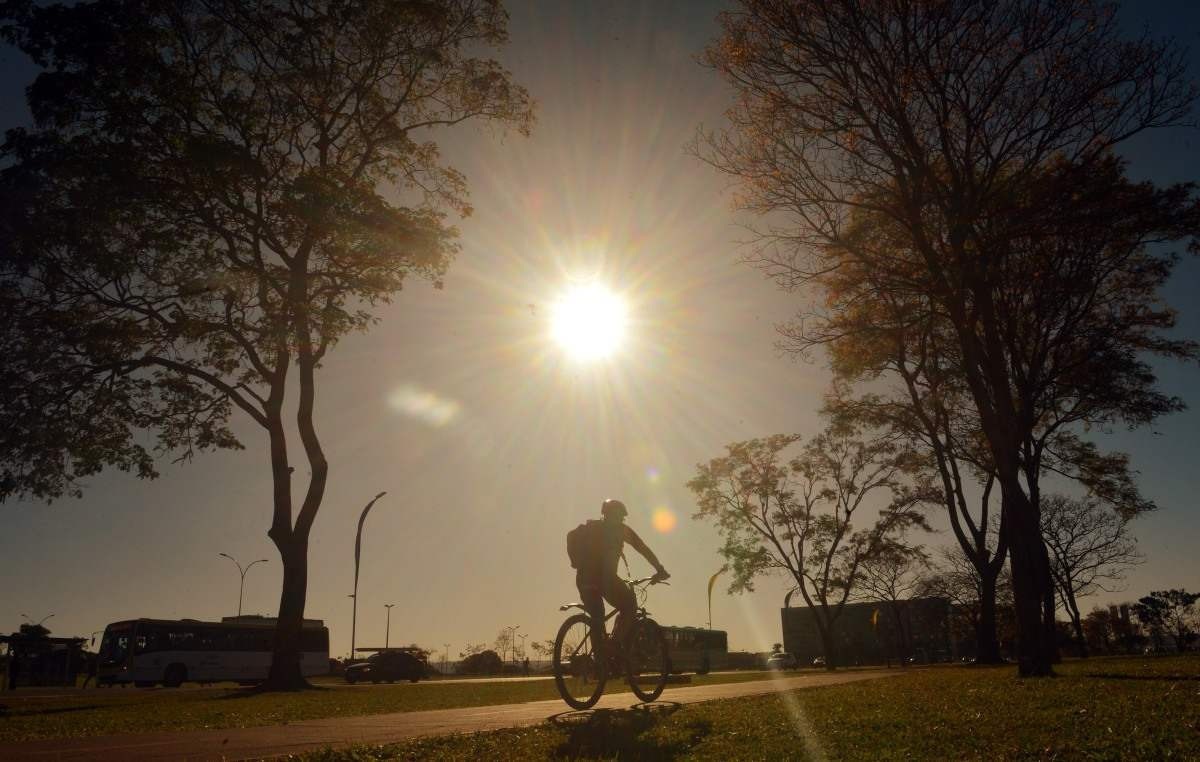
column 146, row 652
column 695, row 649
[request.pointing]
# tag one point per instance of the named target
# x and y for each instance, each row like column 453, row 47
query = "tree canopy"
column 975, row 139
column 1091, row 549
column 213, row 194
column 796, row 516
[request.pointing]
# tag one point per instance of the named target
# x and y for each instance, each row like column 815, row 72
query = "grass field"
column 1103, row 709
column 26, row 715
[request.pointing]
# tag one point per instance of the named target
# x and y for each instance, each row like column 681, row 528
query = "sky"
column 490, row 443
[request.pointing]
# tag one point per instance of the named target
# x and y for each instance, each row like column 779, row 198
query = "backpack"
column 584, row 544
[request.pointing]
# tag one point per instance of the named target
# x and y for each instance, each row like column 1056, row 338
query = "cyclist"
column 598, row 580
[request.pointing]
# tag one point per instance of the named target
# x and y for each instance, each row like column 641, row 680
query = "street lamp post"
column 357, row 554
column 351, row 659
column 387, row 635
column 39, row 622
column 513, row 640
column 446, row 658
column 242, row 571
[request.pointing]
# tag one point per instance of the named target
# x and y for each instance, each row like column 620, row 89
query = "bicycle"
column 581, row 669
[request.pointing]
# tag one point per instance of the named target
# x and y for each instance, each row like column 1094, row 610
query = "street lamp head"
column 226, row 555
column 381, row 494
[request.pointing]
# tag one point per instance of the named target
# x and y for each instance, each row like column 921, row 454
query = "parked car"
column 818, row 661
column 387, row 666
column 782, row 661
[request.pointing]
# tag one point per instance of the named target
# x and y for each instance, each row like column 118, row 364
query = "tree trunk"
column 1030, row 574
column 1077, row 625
column 827, row 643
column 987, row 644
column 901, row 634
column 1049, row 620
column 285, row 674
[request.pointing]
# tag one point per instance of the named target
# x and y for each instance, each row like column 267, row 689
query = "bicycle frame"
column 640, row 591
column 593, row 650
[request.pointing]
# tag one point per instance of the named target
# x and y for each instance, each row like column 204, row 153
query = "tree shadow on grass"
column 626, row 733
column 251, row 691
column 5, row 712
column 1166, row 678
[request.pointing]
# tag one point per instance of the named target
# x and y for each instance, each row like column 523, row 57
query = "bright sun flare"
column 588, row 322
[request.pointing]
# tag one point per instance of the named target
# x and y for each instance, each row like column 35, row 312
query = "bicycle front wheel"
column 647, row 661
column 578, row 670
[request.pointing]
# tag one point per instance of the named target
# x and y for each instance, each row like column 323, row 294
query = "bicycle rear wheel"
column 647, row 661
column 579, row 672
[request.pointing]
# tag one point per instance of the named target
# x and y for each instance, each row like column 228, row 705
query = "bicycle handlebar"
column 648, row 580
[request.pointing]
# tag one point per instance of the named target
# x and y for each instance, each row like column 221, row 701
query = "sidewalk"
column 276, row 740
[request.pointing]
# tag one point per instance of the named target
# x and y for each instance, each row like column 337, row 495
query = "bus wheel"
column 175, row 675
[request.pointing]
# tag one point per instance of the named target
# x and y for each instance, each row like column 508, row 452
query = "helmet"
column 615, row 507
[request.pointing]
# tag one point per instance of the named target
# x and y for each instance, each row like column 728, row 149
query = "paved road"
column 275, row 740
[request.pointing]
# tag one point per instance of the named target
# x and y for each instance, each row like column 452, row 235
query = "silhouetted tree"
column 892, row 578
column 1170, row 611
column 38, row 631
column 954, row 576
column 1098, row 630
column 981, row 135
column 505, row 643
column 931, row 415
column 471, row 649
column 486, row 662
column 796, row 516
column 543, row 648
column 1090, row 550
column 215, row 192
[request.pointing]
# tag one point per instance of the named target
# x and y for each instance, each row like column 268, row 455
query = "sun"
column 588, row 322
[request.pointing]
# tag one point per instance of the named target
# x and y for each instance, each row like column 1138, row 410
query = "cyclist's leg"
column 591, row 595
column 620, row 596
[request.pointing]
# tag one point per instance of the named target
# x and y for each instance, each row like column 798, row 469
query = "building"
column 917, row 629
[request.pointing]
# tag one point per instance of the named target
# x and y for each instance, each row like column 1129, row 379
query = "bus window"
column 216, row 639
column 181, row 639
column 243, row 640
column 114, row 648
column 148, row 638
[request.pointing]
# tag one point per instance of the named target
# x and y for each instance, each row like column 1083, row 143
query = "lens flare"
column 424, row 405
column 663, row 520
